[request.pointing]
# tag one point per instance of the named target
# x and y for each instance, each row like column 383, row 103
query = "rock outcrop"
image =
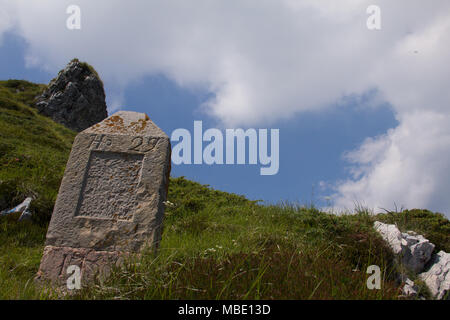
column 419, row 253
column 416, row 254
column 437, row 277
column 75, row 98
column 415, row 251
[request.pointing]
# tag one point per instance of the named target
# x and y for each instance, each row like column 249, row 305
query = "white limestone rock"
column 437, row 277
column 391, row 235
column 414, row 250
column 410, row 289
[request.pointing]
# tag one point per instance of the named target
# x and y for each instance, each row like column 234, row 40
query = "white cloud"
column 409, row 166
column 5, row 17
column 268, row 60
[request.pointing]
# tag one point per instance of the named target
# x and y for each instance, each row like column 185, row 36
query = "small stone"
column 410, row 289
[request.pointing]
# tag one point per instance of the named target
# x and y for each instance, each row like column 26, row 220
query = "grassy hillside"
column 215, row 244
column 33, row 149
column 33, row 153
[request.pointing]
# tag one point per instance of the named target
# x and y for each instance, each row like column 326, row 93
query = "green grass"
column 241, row 250
column 215, row 245
column 33, row 154
column 33, row 149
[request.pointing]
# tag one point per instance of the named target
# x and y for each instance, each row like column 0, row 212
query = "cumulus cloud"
column 255, row 56
column 409, row 165
column 5, row 17
column 268, row 60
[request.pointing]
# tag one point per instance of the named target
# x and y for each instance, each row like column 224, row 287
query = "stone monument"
column 110, row 202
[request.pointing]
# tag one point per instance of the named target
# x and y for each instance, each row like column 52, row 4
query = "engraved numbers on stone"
column 143, row 144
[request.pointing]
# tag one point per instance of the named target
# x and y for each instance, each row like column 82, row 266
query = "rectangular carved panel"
column 110, row 186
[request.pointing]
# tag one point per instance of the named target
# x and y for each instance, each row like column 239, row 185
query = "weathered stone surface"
column 437, row 277
column 414, row 250
column 92, row 263
column 418, row 251
column 391, row 235
column 112, row 193
column 409, row 289
column 75, row 98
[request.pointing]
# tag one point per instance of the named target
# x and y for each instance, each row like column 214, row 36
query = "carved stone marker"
column 110, row 202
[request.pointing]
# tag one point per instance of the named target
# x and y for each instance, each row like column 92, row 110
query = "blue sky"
column 311, row 144
column 311, row 68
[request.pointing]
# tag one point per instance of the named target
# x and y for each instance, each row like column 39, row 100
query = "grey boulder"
column 75, row 98
column 418, row 253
